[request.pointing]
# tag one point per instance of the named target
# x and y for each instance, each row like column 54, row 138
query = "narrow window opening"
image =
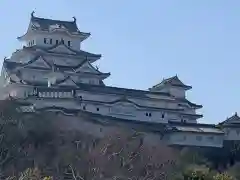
column 146, row 114
column 50, row 41
column 45, row 40
column 97, row 109
column 69, row 43
column 150, row 114
column 162, row 115
column 56, row 41
column 84, row 107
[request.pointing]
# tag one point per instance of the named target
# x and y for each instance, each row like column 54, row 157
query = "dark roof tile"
column 172, row 81
column 45, row 24
column 233, row 120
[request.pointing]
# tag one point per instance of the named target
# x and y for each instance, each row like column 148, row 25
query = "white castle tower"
column 52, row 72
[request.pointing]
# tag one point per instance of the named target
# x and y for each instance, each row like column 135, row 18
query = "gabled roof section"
column 123, row 99
column 193, row 128
column 193, row 105
column 45, row 24
column 63, row 49
column 48, row 25
column 233, row 120
column 36, row 62
column 66, row 82
column 172, row 81
column 39, row 61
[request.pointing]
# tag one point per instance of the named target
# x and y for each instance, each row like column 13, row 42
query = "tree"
column 223, row 176
column 10, row 133
column 122, row 154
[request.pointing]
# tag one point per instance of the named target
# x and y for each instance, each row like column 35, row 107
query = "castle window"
column 33, row 41
column 97, row 109
column 50, row 41
column 150, row 114
column 238, row 132
column 162, row 115
column 146, row 114
column 69, row 43
column 45, row 40
column 210, row 138
column 84, row 107
column 198, row 138
column 91, row 81
column 56, row 41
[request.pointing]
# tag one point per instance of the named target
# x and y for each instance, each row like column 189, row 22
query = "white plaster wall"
column 192, row 139
column 160, row 103
column 132, row 114
column 75, row 41
column 97, row 96
column 16, row 90
column 177, row 92
column 232, row 134
column 155, row 115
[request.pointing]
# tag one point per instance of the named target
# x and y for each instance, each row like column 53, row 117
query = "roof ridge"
column 41, row 18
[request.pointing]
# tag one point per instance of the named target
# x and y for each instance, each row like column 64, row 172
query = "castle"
column 51, row 72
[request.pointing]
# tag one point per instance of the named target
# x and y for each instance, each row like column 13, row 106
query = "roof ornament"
column 32, row 14
column 74, row 19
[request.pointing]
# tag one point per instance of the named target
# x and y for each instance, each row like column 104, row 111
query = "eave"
column 82, row 35
column 25, row 36
column 193, row 105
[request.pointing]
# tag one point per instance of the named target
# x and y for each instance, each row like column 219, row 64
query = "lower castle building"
column 52, row 72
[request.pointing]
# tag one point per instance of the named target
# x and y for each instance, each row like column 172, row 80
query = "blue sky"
column 144, row 41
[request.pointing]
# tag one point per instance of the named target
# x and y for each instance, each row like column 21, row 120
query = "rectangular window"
column 62, row 41
column 238, row 132
column 69, row 43
column 45, row 40
column 50, row 41
column 198, row 138
column 210, row 138
column 56, row 41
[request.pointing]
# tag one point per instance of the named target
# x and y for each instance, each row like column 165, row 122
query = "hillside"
column 87, row 146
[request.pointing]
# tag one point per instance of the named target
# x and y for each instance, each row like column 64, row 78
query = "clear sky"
column 144, row 41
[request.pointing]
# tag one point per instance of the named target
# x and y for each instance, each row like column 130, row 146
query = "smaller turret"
column 172, row 85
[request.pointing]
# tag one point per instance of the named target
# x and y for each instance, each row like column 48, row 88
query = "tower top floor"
column 48, row 32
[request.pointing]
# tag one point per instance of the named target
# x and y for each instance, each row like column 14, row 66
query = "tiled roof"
column 233, row 120
column 194, row 128
column 172, row 81
column 184, row 100
column 12, row 65
column 76, row 52
column 45, row 24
